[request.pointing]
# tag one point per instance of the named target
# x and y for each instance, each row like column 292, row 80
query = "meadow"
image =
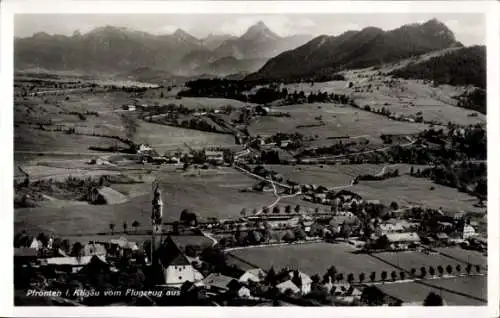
column 462, row 291
column 166, row 138
column 209, row 193
column 330, row 120
column 414, row 259
column 313, row 258
column 407, row 190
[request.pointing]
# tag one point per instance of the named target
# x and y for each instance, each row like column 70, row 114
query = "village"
column 218, row 274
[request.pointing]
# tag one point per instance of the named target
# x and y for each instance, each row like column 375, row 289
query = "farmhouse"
column 288, row 285
column 129, row 107
column 69, row 263
column 94, row 249
column 105, row 195
column 36, row 244
column 402, row 240
column 468, row 232
column 219, row 283
column 214, row 156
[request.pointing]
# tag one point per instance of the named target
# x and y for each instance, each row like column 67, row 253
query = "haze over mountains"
column 258, row 54
column 117, row 50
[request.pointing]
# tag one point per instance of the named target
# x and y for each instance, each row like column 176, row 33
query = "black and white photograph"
column 250, row 159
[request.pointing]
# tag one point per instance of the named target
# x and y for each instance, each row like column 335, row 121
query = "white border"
column 8, row 9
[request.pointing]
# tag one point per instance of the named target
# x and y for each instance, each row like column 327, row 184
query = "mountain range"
column 112, row 49
column 325, row 55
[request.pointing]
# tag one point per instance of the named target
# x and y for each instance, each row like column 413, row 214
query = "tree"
column 468, row 268
column 402, row 275
column 433, row 299
column 43, row 238
column 271, row 276
column 449, row 269
column 331, row 272
column 372, row 296
column 440, row 270
column 265, row 210
column 135, row 225
column 289, row 236
column 350, row 278
column 372, row 276
column 125, row 227
column 77, row 249
column 432, row 271
column 297, row 208
column 458, row 268
column 383, row 276
column 254, row 211
column 394, row 205
column 112, row 228
column 339, row 277
column 65, row 245
column 361, row 277
column 243, row 212
column 413, row 271
column 423, row 271
column 288, row 209
column 478, row 269
column 300, row 234
column 394, row 275
column 276, row 209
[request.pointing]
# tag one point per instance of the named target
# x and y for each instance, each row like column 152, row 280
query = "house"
column 129, row 107
column 442, row 237
column 402, row 240
column 175, row 267
column 468, row 232
column 214, row 156
column 36, row 244
column 105, row 195
column 219, row 283
column 94, row 249
column 254, row 275
column 71, row 264
column 285, row 143
column 300, row 280
column 144, row 148
column 122, row 245
column 288, row 285
column 385, row 228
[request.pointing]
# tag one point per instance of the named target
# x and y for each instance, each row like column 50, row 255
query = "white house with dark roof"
column 176, row 268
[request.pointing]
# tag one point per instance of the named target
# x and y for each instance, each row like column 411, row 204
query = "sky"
column 470, row 29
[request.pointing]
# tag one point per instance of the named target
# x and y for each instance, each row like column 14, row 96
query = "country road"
column 364, row 152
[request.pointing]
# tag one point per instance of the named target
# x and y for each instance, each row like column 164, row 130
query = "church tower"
column 156, row 219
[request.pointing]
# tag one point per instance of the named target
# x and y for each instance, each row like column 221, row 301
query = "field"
column 211, row 193
column 339, row 120
column 334, row 175
column 412, row 259
column 195, row 102
column 164, row 138
column 463, row 291
column 466, row 256
column 31, row 140
column 408, row 190
column 404, row 97
column 314, row 258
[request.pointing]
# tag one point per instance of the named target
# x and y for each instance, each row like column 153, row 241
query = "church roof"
column 170, row 254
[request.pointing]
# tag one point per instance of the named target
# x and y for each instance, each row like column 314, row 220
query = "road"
column 363, row 152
